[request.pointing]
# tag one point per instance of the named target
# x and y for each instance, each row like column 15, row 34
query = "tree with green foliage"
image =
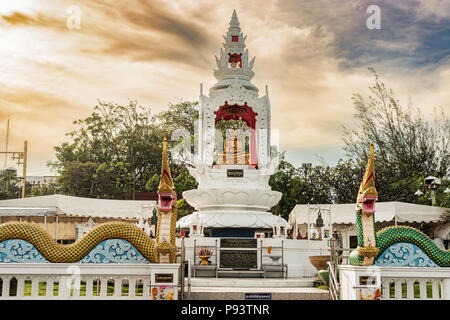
column 183, row 208
column 344, row 179
column 112, row 154
column 44, row 189
column 407, row 146
column 116, row 151
column 180, row 115
column 299, row 187
column 9, row 185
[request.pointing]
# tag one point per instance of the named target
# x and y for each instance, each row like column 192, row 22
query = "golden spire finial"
column 165, row 183
column 367, row 187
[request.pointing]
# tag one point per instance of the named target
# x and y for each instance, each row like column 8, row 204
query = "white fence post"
column 5, row 286
column 410, row 289
column 89, row 287
column 64, row 287
column 445, row 289
column 132, row 287
column 423, row 289
column 103, row 286
column 34, row 287
column 20, row 286
column 50, row 287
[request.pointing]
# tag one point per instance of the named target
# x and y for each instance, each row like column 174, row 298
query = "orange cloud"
column 160, row 51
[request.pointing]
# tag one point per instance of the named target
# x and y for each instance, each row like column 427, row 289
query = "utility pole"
column 25, row 151
column 133, row 168
column 21, row 158
column 7, row 139
column 306, row 167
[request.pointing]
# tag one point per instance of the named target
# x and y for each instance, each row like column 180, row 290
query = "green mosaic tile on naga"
column 391, row 235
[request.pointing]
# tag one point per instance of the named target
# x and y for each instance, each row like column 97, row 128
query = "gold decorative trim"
column 367, row 186
column 368, row 251
column 166, row 182
column 165, row 247
column 409, row 227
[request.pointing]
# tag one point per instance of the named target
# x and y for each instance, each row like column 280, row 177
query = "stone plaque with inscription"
column 238, row 259
column 163, row 277
column 235, row 173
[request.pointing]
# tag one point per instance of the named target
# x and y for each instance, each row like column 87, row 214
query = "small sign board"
column 235, row 173
column 258, row 296
column 163, row 277
column 238, row 243
column 369, row 281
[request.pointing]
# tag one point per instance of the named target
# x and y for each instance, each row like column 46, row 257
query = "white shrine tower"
column 233, row 198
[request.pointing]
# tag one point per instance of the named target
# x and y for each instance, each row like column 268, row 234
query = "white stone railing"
column 395, row 283
column 88, row 281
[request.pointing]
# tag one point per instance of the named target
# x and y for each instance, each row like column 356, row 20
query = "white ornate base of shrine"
column 222, row 201
column 233, row 219
column 229, row 207
column 250, row 199
column 233, row 206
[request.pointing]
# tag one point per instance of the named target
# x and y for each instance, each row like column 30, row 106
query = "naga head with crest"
column 166, row 189
column 367, row 194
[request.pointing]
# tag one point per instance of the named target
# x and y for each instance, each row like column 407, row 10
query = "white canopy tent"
column 342, row 217
column 77, row 207
column 385, row 211
column 27, row 212
column 67, row 206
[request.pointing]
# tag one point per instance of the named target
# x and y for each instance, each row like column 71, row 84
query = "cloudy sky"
column 313, row 55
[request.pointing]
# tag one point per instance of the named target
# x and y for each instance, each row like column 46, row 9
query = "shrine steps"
column 252, row 282
column 237, row 288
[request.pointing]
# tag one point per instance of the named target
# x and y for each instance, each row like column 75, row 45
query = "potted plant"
column 320, row 263
column 204, row 254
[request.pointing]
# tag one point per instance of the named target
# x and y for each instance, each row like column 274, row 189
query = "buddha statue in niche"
column 234, row 151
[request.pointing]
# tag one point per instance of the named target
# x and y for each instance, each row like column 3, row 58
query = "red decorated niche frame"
column 235, row 58
column 245, row 113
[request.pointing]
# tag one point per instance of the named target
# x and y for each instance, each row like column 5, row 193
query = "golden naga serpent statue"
column 161, row 251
